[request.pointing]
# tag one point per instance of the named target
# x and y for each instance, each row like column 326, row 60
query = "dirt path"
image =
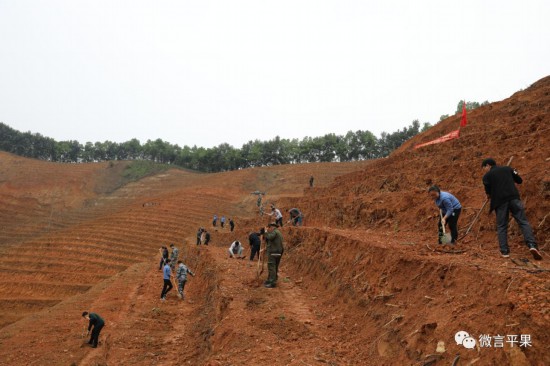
column 266, row 326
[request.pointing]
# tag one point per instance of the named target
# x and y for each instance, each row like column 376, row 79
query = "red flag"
column 450, row 136
column 463, row 121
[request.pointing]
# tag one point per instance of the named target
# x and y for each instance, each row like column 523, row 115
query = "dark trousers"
column 198, row 240
column 279, row 222
column 516, row 208
column 214, row 222
column 254, row 249
column 162, row 262
column 232, row 227
column 94, row 339
column 452, row 222
column 166, row 288
column 273, row 261
column 223, row 223
column 181, row 286
column 206, row 241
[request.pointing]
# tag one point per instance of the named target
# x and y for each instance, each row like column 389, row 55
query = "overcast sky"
column 206, row 72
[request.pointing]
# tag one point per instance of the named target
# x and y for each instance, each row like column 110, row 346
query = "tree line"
column 353, row 146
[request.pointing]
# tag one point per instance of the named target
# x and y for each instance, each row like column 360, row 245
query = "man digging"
column 450, row 209
column 500, row 187
column 97, row 323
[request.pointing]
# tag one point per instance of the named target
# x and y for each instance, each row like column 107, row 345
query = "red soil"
column 358, row 284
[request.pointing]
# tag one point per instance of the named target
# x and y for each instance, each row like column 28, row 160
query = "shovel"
column 446, row 237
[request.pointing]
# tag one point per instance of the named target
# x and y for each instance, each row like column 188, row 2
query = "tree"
column 353, row 146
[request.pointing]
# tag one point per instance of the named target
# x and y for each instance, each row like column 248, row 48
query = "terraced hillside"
column 360, row 284
column 93, row 235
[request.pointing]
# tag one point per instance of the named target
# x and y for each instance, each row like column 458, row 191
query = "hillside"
column 358, row 284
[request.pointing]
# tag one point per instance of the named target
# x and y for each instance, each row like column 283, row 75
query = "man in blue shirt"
column 450, row 210
column 167, row 273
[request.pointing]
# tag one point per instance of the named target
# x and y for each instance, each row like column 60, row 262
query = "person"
column 215, row 221
column 278, row 215
column 450, row 209
column 259, row 200
column 274, row 253
column 181, row 275
column 232, row 224
column 295, row 217
column 97, row 323
column 500, row 187
column 206, row 237
column 255, row 244
column 166, row 273
column 236, row 249
column 174, row 255
column 311, row 181
column 164, row 257
column 199, row 236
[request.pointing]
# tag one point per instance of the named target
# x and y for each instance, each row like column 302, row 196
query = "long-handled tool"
column 261, row 261
column 481, row 210
column 446, row 237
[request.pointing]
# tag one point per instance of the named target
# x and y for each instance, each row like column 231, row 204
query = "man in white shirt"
column 236, row 250
column 278, row 215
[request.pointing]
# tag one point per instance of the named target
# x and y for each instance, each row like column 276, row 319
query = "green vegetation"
column 138, row 169
column 470, row 105
column 353, row 146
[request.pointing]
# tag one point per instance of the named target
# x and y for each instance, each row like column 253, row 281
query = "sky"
column 207, row 72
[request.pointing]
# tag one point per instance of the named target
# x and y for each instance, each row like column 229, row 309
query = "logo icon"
column 463, row 338
column 460, row 336
column 469, row 343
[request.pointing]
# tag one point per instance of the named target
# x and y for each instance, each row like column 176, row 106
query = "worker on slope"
column 174, row 255
column 222, row 221
column 206, row 237
column 236, row 250
column 296, row 217
column 231, row 224
column 255, row 243
column 311, row 179
column 274, row 253
column 163, row 257
column 215, row 221
column 181, row 275
column 500, row 187
column 97, row 323
column 199, row 236
column 166, row 276
column 450, row 209
column 278, row 215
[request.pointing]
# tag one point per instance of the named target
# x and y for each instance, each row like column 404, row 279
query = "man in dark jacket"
column 97, row 323
column 206, row 237
column 164, row 257
column 274, row 253
column 232, row 224
column 499, row 182
column 199, row 235
column 255, row 243
column 296, row 217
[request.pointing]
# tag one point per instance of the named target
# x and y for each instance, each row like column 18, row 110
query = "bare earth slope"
column 358, row 285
